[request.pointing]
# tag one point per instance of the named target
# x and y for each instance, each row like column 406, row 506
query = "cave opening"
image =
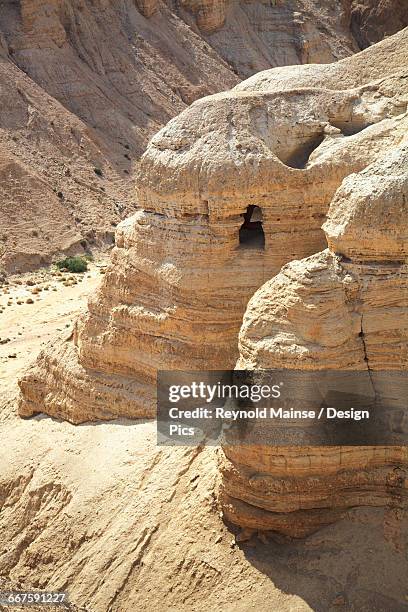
column 251, row 233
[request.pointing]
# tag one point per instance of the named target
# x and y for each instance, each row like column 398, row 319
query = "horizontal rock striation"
column 185, row 266
column 345, row 308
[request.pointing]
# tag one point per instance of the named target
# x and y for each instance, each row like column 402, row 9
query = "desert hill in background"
column 85, row 84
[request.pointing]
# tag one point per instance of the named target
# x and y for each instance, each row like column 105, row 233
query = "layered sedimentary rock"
column 180, row 275
column 345, row 308
column 147, row 7
column 114, row 73
column 112, row 67
column 254, row 35
column 122, row 70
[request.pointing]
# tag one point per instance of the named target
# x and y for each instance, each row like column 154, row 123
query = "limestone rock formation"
column 253, row 35
column 112, row 67
column 121, row 70
column 210, row 15
column 183, row 268
column 304, row 31
column 345, row 308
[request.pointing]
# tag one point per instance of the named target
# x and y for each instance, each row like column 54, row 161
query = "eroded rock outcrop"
column 118, row 72
column 345, row 308
column 182, row 270
column 371, row 20
column 253, row 36
column 147, row 7
column 209, row 14
column 123, row 70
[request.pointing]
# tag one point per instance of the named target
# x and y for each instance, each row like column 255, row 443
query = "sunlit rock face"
column 345, row 308
column 186, row 264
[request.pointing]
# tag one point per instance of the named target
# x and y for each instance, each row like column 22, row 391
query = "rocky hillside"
column 371, row 20
column 81, row 92
column 84, row 85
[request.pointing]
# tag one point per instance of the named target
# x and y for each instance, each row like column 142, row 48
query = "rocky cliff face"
column 209, row 16
column 345, row 308
column 182, row 270
column 371, row 20
column 147, row 7
column 120, row 71
column 254, row 35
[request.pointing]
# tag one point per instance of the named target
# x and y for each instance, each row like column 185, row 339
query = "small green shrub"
column 73, row 264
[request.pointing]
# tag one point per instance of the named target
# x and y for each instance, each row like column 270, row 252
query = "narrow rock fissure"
column 362, row 336
column 350, row 127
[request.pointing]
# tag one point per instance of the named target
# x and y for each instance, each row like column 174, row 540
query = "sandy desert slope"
column 33, row 308
column 100, row 511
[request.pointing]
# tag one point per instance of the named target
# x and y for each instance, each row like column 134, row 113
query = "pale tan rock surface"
column 206, row 235
column 114, row 73
column 120, row 71
column 100, row 511
column 179, row 280
column 119, row 74
column 345, row 308
column 252, row 36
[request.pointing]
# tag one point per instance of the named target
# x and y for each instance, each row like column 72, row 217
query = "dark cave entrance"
column 251, row 234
